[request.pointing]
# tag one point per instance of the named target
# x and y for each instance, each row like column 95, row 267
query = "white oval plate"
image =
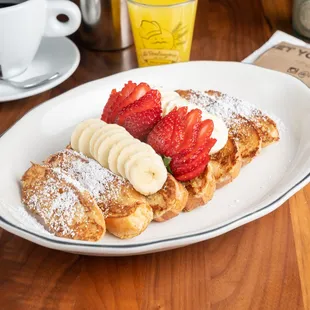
column 263, row 185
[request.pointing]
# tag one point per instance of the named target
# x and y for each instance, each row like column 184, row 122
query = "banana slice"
column 101, row 137
column 147, row 175
column 148, row 147
column 79, row 129
column 106, row 145
column 129, row 151
column 114, row 126
column 95, row 138
column 85, row 137
column 115, row 151
column 135, row 156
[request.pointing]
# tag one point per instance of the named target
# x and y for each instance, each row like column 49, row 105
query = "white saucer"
column 54, row 55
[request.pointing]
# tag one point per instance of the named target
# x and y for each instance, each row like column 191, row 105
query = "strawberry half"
column 192, row 126
column 115, row 99
column 181, row 164
column 183, row 137
column 127, row 97
column 160, row 136
column 142, row 115
column 141, row 123
column 135, row 107
column 178, row 132
column 193, row 174
column 149, row 101
column 111, row 101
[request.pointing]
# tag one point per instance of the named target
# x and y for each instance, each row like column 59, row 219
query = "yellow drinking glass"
column 162, row 30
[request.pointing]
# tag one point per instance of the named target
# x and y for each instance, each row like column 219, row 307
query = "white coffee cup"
column 22, row 27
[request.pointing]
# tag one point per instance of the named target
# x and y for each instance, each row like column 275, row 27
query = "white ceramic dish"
column 54, row 55
column 275, row 175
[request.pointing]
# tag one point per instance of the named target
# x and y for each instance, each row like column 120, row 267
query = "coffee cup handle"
column 56, row 28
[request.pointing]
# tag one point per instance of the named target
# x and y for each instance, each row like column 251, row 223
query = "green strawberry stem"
column 167, row 161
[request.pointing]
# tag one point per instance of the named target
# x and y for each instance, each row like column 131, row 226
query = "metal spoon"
column 33, row 82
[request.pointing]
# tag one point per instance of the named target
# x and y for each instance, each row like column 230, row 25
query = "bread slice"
column 249, row 130
column 169, row 201
column 131, row 223
column 226, row 163
column 246, row 137
column 241, row 129
column 265, row 126
column 126, row 211
column 267, row 129
column 201, row 189
column 61, row 204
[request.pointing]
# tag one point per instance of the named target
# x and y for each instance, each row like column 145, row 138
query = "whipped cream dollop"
column 171, row 99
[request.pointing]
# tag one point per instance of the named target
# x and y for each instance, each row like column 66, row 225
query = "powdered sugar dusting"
column 225, row 107
column 55, row 202
column 68, row 179
column 102, row 184
column 229, row 109
column 64, row 210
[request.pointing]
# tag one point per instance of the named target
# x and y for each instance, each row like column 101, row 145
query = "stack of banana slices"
column 115, row 149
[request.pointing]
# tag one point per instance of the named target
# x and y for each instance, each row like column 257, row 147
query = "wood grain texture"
column 262, row 265
column 300, row 216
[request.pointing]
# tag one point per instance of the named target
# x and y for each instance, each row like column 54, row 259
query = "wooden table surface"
column 262, row 265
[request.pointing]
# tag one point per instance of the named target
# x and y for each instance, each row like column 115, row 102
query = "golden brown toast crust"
column 120, row 203
column 125, row 198
column 241, row 129
column 267, row 129
column 247, row 138
column 247, row 133
column 226, row 163
column 169, row 201
column 265, row 126
column 132, row 225
column 201, row 189
column 64, row 208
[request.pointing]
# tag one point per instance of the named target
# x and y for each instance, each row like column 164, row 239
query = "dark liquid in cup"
column 5, row 5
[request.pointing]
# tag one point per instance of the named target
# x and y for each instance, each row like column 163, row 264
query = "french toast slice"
column 266, row 127
column 249, row 130
column 241, row 129
column 61, row 204
column 169, row 201
column 127, row 213
column 226, row 163
column 247, row 138
column 201, row 189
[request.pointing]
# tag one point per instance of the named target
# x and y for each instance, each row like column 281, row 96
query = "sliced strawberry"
column 206, row 129
column 160, row 136
column 192, row 125
column 110, row 103
column 123, row 100
column 186, row 139
column 149, row 101
column 140, row 124
column 187, row 156
column 203, row 138
column 178, row 132
column 192, row 174
column 188, row 161
column 178, row 167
